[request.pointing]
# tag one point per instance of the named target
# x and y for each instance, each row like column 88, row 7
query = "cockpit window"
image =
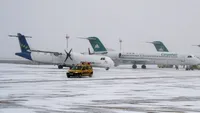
column 189, row 56
column 102, row 58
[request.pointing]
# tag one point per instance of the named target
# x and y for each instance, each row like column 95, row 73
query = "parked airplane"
column 159, row 58
column 57, row 58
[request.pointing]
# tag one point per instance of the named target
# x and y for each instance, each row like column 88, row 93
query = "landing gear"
column 60, row 67
column 143, row 67
column 134, row 66
column 107, row 68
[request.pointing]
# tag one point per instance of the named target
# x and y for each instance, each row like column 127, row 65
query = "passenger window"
column 103, row 58
column 189, row 56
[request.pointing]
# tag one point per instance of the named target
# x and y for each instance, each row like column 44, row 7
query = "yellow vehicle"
column 83, row 69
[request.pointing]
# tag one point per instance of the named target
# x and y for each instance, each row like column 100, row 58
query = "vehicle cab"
column 79, row 70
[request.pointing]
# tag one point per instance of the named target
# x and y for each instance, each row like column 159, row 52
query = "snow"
column 44, row 88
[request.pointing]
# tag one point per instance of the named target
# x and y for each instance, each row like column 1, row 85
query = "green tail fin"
column 96, row 44
column 160, row 47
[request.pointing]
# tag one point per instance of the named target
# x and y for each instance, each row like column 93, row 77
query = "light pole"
column 120, row 42
column 67, row 37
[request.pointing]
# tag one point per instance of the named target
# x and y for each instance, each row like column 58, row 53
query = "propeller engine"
column 68, row 55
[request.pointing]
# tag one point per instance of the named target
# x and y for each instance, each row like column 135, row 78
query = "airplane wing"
column 56, row 53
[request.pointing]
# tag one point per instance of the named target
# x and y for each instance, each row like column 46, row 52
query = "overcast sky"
column 175, row 22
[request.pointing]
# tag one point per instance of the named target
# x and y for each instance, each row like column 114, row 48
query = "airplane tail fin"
column 160, row 47
column 96, row 44
column 25, row 53
column 22, row 42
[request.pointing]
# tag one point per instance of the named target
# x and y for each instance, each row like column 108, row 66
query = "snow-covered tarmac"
column 46, row 89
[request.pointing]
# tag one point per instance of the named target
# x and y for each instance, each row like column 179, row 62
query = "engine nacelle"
column 120, row 54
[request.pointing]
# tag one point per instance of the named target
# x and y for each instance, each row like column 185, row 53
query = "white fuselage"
column 164, row 58
column 55, row 59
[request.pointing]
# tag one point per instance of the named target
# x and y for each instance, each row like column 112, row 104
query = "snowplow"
column 80, row 70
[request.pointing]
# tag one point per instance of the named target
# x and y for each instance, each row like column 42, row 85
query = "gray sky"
column 175, row 22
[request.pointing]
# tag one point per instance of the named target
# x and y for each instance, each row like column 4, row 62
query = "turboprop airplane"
column 159, row 58
column 66, row 59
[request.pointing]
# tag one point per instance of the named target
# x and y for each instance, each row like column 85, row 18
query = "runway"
column 44, row 89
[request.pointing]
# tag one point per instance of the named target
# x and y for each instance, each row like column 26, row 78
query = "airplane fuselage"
column 59, row 59
column 164, row 58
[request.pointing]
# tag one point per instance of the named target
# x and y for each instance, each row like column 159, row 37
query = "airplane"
column 66, row 59
column 159, row 58
column 158, row 45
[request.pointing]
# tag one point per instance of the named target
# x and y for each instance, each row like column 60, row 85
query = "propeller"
column 68, row 55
